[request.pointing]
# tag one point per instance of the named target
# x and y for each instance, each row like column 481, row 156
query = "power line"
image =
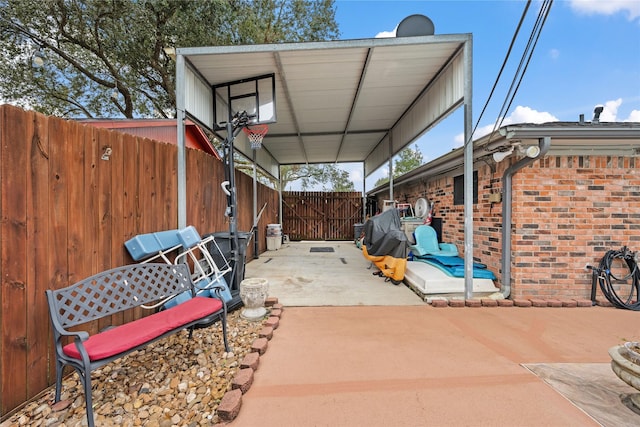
column 523, row 65
column 504, row 63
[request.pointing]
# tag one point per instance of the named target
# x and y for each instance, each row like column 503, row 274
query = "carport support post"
column 391, row 169
column 364, row 195
column 468, row 174
column 180, row 116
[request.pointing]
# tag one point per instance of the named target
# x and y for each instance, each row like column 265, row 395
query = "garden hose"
column 612, row 286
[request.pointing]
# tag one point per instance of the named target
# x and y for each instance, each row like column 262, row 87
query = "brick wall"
column 567, row 212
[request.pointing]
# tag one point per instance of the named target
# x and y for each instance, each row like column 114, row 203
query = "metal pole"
column 255, row 207
column 232, row 205
column 180, row 117
column 468, row 174
column 391, row 169
column 364, row 196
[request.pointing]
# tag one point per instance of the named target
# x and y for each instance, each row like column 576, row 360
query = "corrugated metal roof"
column 340, row 101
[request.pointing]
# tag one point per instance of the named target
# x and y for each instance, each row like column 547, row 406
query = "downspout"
column 544, row 144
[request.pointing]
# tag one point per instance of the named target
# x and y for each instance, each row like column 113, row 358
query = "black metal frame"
column 110, row 292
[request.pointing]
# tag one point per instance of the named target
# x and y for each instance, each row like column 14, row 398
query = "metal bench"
column 114, row 291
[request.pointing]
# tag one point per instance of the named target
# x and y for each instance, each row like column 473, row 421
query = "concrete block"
column 518, row 302
column 505, row 303
column 488, row 302
column 250, row 360
column 242, row 380
column 260, row 345
column 272, row 322
column 229, row 406
column 266, row 332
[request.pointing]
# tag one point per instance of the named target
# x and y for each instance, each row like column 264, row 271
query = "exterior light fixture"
column 532, row 151
column 499, row 156
column 106, row 153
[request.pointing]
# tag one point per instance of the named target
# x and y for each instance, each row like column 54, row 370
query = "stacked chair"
column 185, row 246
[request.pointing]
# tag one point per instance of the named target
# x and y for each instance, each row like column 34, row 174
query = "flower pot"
column 253, row 293
column 625, row 365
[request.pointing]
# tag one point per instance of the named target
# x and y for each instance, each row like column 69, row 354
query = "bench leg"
column 59, row 371
column 85, row 378
column 224, row 331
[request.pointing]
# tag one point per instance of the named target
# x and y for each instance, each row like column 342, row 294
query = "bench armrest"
column 55, row 322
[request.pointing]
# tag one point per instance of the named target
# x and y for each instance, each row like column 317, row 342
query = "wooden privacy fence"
column 67, row 209
column 315, row 215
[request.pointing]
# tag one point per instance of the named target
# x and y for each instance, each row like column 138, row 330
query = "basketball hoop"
column 255, row 133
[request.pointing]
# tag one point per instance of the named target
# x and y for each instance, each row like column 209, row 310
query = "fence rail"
column 67, row 210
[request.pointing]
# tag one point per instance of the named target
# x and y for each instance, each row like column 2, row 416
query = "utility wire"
column 504, row 63
column 531, row 45
column 523, row 65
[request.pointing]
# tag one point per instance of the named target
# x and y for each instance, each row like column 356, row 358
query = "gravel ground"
column 172, row 382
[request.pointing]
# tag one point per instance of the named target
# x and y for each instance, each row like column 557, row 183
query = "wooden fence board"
column 38, row 333
column 14, row 258
column 132, row 206
column 117, row 202
column 57, row 266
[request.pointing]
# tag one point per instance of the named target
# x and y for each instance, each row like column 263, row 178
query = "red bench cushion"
column 127, row 336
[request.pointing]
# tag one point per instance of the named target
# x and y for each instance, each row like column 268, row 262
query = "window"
column 458, row 189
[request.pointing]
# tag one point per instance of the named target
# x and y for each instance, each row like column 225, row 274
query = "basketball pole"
column 234, row 127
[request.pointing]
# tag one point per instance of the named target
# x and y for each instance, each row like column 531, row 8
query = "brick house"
column 570, row 189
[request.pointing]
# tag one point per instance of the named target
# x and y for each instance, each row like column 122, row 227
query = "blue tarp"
column 454, row 266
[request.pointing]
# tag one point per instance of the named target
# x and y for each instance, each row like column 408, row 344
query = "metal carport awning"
column 339, row 101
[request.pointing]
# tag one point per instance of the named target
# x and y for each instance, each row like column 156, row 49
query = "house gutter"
column 505, row 287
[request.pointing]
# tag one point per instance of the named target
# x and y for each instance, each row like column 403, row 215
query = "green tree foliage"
column 406, row 161
column 107, row 59
column 330, row 177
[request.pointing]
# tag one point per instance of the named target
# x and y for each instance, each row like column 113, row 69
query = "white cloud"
column 529, row 115
column 610, row 110
column 634, row 116
column 554, row 53
column 384, row 34
column 607, row 7
column 458, row 140
column 520, row 115
column 356, row 176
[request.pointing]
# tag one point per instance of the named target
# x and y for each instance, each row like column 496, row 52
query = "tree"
column 107, row 58
column 406, row 161
column 330, row 177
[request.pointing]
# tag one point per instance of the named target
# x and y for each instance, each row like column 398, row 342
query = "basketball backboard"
column 255, row 95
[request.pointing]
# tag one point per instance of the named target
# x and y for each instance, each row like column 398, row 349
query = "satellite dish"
column 422, row 207
column 415, row 25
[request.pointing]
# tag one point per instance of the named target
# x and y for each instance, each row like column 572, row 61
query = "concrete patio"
column 341, row 277
column 375, row 354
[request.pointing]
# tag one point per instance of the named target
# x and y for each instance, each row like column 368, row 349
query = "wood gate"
column 316, row 215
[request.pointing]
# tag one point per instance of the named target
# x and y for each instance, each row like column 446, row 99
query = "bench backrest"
column 116, row 290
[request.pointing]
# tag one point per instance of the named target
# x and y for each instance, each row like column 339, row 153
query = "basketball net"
column 255, row 133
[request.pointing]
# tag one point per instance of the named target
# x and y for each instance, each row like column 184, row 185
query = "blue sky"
column 588, row 54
